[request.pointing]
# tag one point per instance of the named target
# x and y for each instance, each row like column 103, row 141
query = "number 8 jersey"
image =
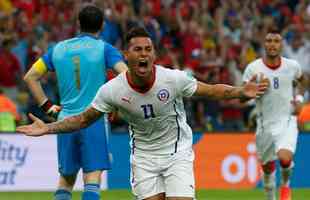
column 275, row 105
column 157, row 119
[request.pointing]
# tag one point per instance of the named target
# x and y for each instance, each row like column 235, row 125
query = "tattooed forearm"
column 67, row 125
column 228, row 93
column 219, row 91
column 75, row 122
column 232, row 92
column 302, row 83
column 222, row 91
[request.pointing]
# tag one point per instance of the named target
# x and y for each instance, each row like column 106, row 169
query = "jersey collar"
column 145, row 89
column 273, row 66
column 87, row 35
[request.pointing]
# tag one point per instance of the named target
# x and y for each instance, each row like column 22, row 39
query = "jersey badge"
column 163, row 95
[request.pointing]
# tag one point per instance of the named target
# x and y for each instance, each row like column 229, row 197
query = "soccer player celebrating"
column 80, row 64
column 276, row 133
column 149, row 97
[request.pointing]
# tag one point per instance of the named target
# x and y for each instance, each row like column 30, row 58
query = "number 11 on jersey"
column 148, row 111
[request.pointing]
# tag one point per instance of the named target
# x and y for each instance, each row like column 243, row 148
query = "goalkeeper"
column 80, row 64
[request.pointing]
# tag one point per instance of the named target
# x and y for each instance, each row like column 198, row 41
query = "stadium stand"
column 209, row 38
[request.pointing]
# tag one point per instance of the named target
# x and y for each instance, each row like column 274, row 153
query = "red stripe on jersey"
column 273, row 66
column 146, row 87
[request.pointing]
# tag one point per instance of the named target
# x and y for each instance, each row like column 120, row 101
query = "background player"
column 276, row 133
column 80, row 64
column 149, row 97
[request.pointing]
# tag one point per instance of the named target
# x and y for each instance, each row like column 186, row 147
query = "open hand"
column 37, row 128
column 254, row 89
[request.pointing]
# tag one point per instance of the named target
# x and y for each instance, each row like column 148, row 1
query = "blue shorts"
column 86, row 149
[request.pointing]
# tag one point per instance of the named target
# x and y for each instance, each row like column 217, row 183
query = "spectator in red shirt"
column 9, row 69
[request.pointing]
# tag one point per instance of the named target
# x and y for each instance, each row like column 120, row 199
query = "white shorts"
column 171, row 174
column 280, row 136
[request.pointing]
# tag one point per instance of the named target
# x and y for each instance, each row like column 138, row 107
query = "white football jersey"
column 275, row 106
column 157, row 119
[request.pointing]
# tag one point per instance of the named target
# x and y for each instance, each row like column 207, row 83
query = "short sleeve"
column 298, row 72
column 248, row 73
column 111, row 56
column 103, row 100
column 186, row 84
column 48, row 59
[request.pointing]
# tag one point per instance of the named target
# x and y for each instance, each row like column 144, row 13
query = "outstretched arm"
column 222, row 91
column 39, row 128
column 218, row 91
column 75, row 122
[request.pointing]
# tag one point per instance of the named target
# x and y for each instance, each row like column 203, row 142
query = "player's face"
column 273, row 44
column 140, row 56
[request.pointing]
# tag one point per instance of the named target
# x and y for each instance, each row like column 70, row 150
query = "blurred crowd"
column 212, row 39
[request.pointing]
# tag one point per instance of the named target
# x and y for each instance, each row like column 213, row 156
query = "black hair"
column 91, row 19
column 274, row 30
column 136, row 32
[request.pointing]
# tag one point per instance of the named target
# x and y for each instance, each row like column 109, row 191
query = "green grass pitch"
column 255, row 194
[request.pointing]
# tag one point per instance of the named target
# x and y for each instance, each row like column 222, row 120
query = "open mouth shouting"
column 143, row 63
column 143, row 68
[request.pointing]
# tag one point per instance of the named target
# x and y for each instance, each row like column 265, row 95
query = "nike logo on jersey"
column 126, row 99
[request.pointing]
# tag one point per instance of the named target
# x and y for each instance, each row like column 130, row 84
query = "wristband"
column 300, row 98
column 46, row 106
column 50, row 109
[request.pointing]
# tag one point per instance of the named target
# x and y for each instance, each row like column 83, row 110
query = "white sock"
column 269, row 182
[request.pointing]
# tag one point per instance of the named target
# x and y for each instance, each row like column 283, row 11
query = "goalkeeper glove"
column 50, row 109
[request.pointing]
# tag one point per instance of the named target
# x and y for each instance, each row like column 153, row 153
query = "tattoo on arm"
column 75, row 122
column 303, row 82
column 232, row 92
column 228, row 93
column 219, row 91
